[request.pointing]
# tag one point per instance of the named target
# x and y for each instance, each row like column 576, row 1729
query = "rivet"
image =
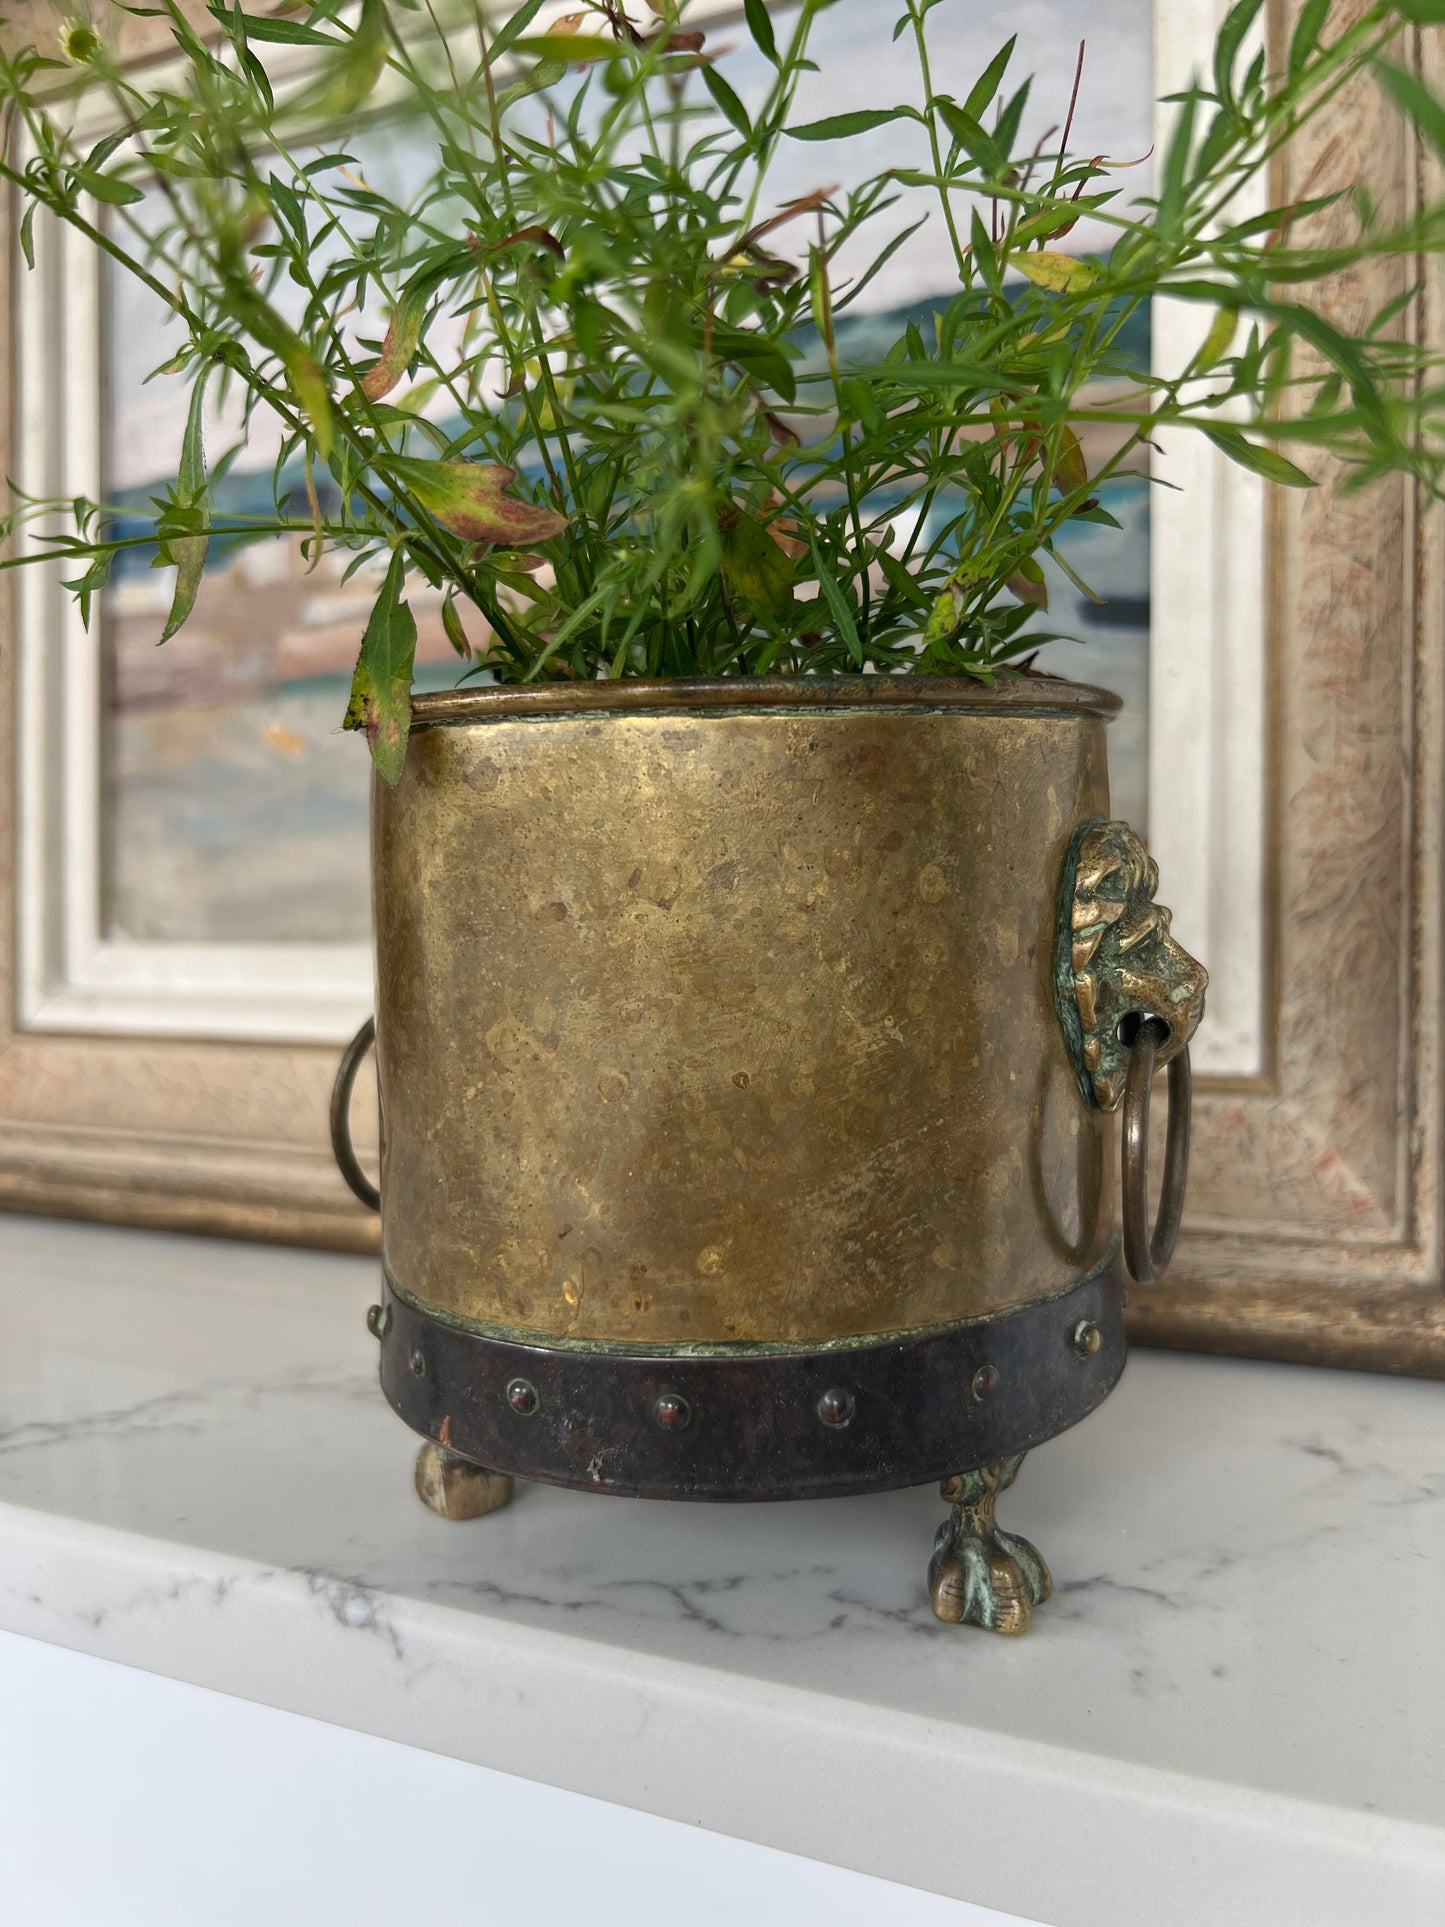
column 418, row 1362
column 522, row 1397
column 378, row 1320
column 1087, row 1337
column 985, row 1381
column 836, row 1407
column 672, row 1411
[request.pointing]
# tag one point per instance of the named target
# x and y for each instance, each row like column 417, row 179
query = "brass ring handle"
column 1148, row 1256
column 346, row 1159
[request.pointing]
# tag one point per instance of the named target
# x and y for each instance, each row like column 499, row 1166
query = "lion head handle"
column 1121, row 962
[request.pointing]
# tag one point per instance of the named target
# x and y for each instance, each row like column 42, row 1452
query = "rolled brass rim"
column 1146, row 1255
column 1017, row 695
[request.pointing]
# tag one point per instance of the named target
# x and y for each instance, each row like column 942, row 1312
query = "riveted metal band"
column 746, row 1422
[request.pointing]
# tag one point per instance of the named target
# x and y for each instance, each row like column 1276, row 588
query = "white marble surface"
column 1232, row 1710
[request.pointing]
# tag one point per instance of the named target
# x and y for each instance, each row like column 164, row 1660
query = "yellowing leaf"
column 399, row 346
column 381, row 684
column 1069, row 469
column 1028, row 584
column 470, row 499
column 1060, row 273
column 943, row 617
column 753, row 565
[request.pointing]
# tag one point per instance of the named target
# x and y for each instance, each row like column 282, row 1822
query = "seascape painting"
column 236, row 808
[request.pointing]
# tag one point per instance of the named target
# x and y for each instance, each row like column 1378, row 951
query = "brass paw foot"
column 457, row 1489
column 980, row 1574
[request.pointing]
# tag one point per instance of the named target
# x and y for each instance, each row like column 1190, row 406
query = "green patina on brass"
column 981, row 1575
column 1117, row 961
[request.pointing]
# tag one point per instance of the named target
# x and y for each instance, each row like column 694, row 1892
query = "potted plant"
column 758, row 966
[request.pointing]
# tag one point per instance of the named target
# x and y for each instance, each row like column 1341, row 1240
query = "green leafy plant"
column 589, row 379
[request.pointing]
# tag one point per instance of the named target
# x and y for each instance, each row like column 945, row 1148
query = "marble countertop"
column 1233, row 1708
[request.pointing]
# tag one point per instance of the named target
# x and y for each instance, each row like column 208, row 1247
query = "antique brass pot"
column 745, row 1052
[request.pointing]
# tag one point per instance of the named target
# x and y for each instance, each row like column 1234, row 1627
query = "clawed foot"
column 979, row 1574
column 455, row 1488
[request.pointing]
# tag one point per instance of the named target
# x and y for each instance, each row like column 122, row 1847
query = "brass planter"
column 744, row 1049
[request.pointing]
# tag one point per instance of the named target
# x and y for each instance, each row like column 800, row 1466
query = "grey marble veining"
column 1249, row 1561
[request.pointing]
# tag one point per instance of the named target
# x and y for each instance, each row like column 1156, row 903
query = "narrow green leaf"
column 1216, row 342
column 837, row 604
column 758, row 356
column 1267, row 462
column 106, row 187
column 87, row 586
column 381, row 683
column 842, row 126
column 1422, row 13
column 1006, row 129
column 1237, row 23
column 452, row 623
column 727, row 102
column 1176, row 164
column 971, row 137
column 357, row 68
column 571, row 49
column 189, row 551
column 1307, row 30
column 859, row 396
column 760, row 27
column 820, row 298
column 981, row 94
column 878, row 263
column 308, row 384
column 285, row 33
column 27, row 234
column 103, row 149
column 515, row 28
column 984, row 252
column 1414, row 97
column 900, row 581
column 1062, row 562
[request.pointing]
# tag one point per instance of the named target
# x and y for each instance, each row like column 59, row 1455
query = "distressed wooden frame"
column 1314, row 1223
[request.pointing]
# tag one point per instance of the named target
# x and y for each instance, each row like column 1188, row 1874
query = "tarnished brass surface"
column 979, row 1574
column 729, row 1016
column 454, row 1488
column 1124, row 959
